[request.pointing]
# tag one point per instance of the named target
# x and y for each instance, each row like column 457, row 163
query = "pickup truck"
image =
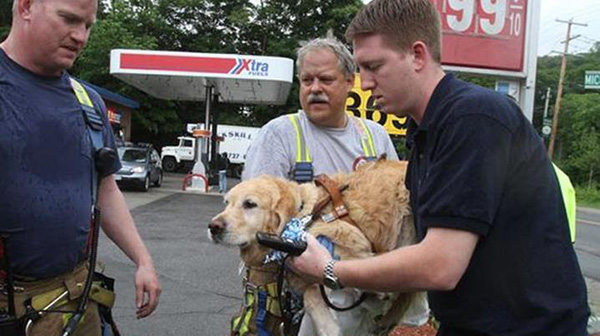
column 237, row 139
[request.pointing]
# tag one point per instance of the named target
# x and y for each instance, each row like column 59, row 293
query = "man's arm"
column 436, row 263
column 118, row 225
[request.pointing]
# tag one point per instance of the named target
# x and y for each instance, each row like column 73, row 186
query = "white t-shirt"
column 332, row 150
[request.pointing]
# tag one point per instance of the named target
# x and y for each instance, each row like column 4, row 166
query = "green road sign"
column 592, row 79
column 547, row 128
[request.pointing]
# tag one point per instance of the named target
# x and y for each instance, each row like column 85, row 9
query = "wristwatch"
column 329, row 278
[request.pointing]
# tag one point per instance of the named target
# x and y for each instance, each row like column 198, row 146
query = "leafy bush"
column 588, row 196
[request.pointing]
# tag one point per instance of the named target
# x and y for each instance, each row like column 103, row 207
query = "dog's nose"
column 216, row 226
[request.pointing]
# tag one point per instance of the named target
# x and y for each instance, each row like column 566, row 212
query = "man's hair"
column 14, row 7
column 329, row 42
column 402, row 22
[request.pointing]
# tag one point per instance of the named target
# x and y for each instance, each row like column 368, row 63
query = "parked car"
column 141, row 167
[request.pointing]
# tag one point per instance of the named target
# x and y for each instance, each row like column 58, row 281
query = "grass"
column 588, row 197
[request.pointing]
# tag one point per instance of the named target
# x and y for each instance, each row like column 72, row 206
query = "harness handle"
column 339, row 207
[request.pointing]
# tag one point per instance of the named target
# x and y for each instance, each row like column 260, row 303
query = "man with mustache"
column 334, row 139
column 495, row 254
column 51, row 170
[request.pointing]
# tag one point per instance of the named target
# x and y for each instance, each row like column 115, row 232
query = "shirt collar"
column 431, row 111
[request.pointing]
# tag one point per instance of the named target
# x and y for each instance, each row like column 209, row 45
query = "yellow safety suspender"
column 303, row 168
column 302, row 152
column 568, row 195
column 81, row 93
column 367, row 142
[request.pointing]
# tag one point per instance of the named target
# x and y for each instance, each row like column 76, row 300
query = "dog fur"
column 377, row 200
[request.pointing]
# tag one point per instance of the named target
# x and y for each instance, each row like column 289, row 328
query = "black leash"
column 83, row 300
column 330, row 304
column 290, row 328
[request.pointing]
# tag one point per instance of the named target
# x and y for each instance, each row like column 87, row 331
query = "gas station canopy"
column 185, row 75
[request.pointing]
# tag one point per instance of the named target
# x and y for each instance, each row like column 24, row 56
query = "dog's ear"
column 286, row 205
column 308, row 194
column 382, row 157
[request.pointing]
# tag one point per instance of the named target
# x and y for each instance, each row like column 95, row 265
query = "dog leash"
column 340, row 210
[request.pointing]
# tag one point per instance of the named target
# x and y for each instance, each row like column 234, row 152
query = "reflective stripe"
column 367, row 142
column 272, row 300
column 302, row 153
column 303, row 169
column 568, row 196
column 257, row 301
column 81, row 93
column 240, row 325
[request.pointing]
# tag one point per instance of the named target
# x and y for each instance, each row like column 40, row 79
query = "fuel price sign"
column 487, row 34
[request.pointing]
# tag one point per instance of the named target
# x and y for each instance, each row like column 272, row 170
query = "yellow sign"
column 361, row 104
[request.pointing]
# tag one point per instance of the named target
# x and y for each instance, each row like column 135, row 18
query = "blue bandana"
column 295, row 229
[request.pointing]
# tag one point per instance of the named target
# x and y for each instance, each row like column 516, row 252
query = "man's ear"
column 24, row 8
column 420, row 54
column 350, row 82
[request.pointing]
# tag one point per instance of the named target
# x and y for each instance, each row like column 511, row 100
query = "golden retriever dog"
column 378, row 204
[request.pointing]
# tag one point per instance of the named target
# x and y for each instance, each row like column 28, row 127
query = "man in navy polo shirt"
column 494, row 253
column 46, row 168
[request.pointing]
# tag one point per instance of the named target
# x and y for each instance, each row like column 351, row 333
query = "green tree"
column 580, row 137
column 279, row 27
column 5, row 18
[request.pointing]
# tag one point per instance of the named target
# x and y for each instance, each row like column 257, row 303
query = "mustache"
column 318, row 98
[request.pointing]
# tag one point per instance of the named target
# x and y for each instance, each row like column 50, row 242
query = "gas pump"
column 200, row 158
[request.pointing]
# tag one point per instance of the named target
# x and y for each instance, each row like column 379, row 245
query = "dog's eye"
column 248, row 204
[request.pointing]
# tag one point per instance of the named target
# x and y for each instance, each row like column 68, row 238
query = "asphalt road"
column 201, row 285
column 587, row 243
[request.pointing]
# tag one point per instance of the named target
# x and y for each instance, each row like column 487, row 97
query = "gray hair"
column 343, row 55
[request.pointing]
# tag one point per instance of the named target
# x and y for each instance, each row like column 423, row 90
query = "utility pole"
column 563, row 69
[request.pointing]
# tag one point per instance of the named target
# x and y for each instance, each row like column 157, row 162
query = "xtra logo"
column 252, row 67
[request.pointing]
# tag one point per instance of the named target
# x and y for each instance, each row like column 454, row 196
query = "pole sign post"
column 592, row 80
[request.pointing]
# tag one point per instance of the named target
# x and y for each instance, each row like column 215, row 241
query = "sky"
column 552, row 33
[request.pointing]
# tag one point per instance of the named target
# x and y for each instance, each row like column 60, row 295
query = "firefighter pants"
column 47, row 290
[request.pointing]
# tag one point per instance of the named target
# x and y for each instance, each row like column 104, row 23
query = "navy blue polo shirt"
column 478, row 165
column 45, row 170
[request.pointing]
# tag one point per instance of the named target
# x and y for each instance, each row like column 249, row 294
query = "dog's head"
column 263, row 204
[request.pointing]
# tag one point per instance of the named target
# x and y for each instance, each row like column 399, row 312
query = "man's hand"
column 311, row 263
column 147, row 291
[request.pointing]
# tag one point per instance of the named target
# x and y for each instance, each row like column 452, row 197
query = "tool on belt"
column 10, row 325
